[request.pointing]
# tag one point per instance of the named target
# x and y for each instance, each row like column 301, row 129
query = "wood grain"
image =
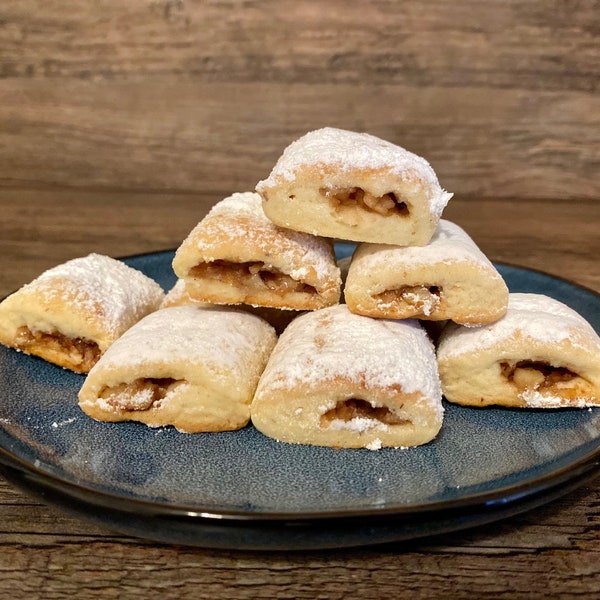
column 195, row 96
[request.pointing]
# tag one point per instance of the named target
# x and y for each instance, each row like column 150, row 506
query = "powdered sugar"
column 535, row 399
column 351, row 150
column 536, row 316
column 357, row 424
column 224, row 340
column 333, row 342
column 449, row 244
column 100, row 286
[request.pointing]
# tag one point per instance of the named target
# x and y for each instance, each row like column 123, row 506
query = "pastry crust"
column 191, row 367
column 279, row 319
column 72, row 313
column 541, row 354
column 354, row 186
column 342, row 380
column 236, row 255
column 448, row 279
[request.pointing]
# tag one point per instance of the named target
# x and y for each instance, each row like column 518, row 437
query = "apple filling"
column 344, row 198
column 255, row 276
column 542, row 377
column 77, row 354
column 354, row 408
column 140, row 394
column 423, row 299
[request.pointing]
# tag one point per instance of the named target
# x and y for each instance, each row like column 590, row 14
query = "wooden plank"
column 499, row 96
column 172, row 133
column 517, row 43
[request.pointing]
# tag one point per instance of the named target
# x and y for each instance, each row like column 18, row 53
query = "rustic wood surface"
column 552, row 551
column 501, row 96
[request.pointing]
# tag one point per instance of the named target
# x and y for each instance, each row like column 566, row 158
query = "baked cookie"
column 449, row 278
column 276, row 317
column 354, row 186
column 541, row 354
column 236, row 255
column 343, row 380
column 191, row 367
column 72, row 313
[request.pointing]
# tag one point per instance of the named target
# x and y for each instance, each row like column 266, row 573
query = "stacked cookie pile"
column 362, row 373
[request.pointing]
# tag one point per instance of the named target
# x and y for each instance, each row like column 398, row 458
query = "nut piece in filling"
column 77, row 354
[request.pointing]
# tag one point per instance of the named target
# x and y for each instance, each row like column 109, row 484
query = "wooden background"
column 121, row 122
column 500, row 95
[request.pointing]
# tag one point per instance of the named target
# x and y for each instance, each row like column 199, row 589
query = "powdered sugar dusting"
column 449, row 244
column 224, row 340
column 351, row 150
column 536, row 316
column 358, row 424
column 535, row 399
column 334, row 342
column 100, row 286
column 241, row 217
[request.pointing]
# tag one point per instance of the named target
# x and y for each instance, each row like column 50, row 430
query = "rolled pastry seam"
column 278, row 318
column 541, row 354
column 73, row 312
column 191, row 367
column 236, row 255
column 448, row 279
column 354, row 186
column 342, row 380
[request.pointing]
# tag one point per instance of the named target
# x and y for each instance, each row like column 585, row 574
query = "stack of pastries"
column 261, row 326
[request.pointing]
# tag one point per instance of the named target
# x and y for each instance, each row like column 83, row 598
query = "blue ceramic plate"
column 243, row 490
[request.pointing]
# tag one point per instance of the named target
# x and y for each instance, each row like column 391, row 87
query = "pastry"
column 541, row 354
column 73, row 312
column 354, row 186
column 236, row 255
column 343, row 380
column 449, row 278
column 276, row 317
column 191, row 367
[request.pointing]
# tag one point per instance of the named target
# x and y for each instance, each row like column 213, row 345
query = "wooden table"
column 553, row 551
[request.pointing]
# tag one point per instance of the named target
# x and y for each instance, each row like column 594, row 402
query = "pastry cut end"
column 541, row 383
column 76, row 354
column 255, row 283
column 140, row 394
column 351, row 201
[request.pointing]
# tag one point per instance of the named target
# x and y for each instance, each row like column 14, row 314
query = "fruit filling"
column 343, row 198
column 140, row 394
column 77, row 354
column 256, row 276
column 354, row 408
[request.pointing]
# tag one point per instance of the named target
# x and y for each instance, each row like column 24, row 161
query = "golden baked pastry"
column 276, row 317
column 449, row 278
column 354, row 186
column 73, row 312
column 191, row 367
column 342, row 380
column 236, row 255
column 541, row 354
